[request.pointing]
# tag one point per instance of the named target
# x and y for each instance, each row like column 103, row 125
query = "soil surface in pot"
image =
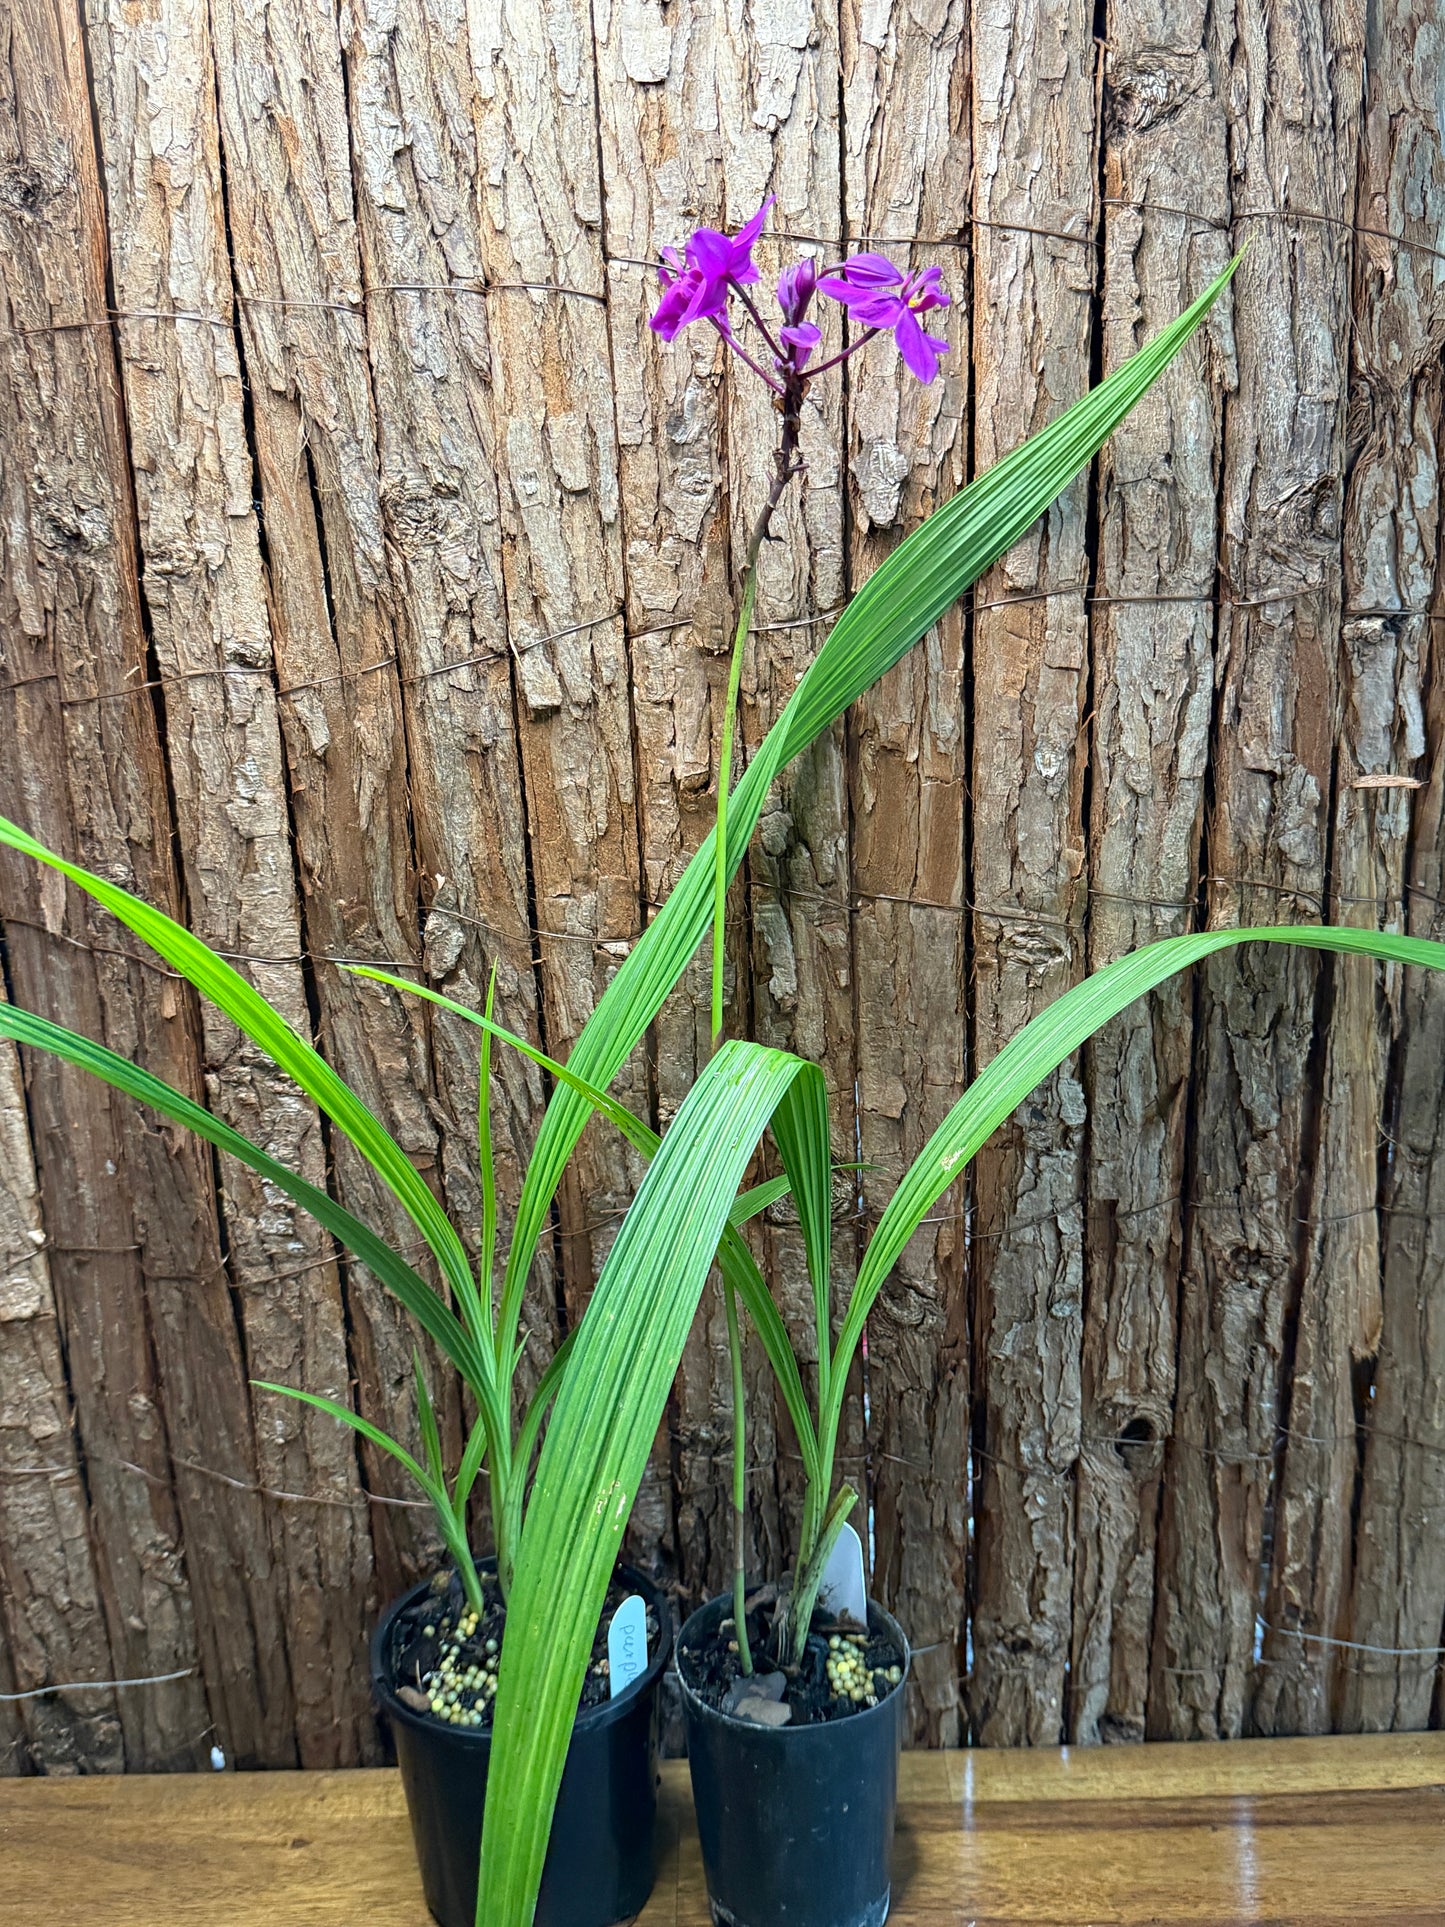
column 444, row 1658
column 844, row 1669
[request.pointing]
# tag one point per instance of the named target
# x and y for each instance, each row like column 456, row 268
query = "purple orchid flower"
column 880, row 295
column 695, row 284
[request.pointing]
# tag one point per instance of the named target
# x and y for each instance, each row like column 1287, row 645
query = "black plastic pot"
column 796, row 1822
column 601, row 1861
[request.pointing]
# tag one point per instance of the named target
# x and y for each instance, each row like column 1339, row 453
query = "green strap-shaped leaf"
column 450, row 1522
column 430, row 1311
column 923, row 577
column 246, row 1007
column 531, row 1430
column 1023, row 1063
column 751, row 1204
column 344, row 1415
column 637, row 1134
column 739, row 1267
column 486, row 1164
column 426, row 1415
column 596, row 1450
column 734, row 1259
column 471, row 1465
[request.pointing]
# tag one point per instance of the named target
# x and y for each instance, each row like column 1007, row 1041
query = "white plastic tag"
column 627, row 1643
column 843, row 1592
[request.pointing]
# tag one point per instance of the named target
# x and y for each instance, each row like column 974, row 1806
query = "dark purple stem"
column 852, row 349
column 762, row 327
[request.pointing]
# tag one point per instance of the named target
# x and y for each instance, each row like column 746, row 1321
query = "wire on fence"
column 475, row 286
column 524, row 935
column 98, row 1685
column 287, row 692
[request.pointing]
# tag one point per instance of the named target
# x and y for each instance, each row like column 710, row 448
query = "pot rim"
column 590, row 1717
column 696, row 1705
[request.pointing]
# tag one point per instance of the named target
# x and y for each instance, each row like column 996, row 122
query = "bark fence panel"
column 366, row 582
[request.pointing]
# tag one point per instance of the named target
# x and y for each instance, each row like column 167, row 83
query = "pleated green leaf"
column 214, row 978
column 603, row 1424
column 430, row 1312
column 1039, row 1049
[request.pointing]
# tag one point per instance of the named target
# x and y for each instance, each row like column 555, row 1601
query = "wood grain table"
column 1334, row 1831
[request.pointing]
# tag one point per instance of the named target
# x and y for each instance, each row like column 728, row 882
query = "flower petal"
column 669, row 314
column 795, row 289
column 920, row 352
column 750, row 230
column 709, row 251
column 709, row 296
column 879, row 310
column 872, row 271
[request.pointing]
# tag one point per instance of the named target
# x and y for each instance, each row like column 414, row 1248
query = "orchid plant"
column 559, row 1530
column 702, row 284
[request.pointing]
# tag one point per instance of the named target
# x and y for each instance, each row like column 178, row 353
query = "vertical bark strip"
column 1391, row 557
column 1293, row 116
column 210, row 630
column 286, row 158
column 14, row 1758
column 1393, row 638
column 416, row 162
column 906, row 165
column 1153, row 632
column 148, row 1326
column 539, row 214
column 1397, row 1597
column 52, row 1624
column 1034, row 168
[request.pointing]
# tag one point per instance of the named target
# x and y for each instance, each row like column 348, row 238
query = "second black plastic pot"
column 601, row 1859
column 796, row 1822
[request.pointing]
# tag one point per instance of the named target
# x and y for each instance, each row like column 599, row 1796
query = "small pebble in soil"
column 844, row 1670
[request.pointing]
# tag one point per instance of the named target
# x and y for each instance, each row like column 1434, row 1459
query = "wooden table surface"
column 1334, row 1831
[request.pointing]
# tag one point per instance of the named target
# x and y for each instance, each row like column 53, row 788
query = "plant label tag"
column 627, row 1643
column 843, row 1592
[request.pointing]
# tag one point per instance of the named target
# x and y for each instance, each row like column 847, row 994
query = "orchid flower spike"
column 696, row 283
column 879, row 295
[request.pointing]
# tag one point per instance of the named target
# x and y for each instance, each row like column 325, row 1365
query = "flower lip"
column 926, row 290
column 800, row 339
